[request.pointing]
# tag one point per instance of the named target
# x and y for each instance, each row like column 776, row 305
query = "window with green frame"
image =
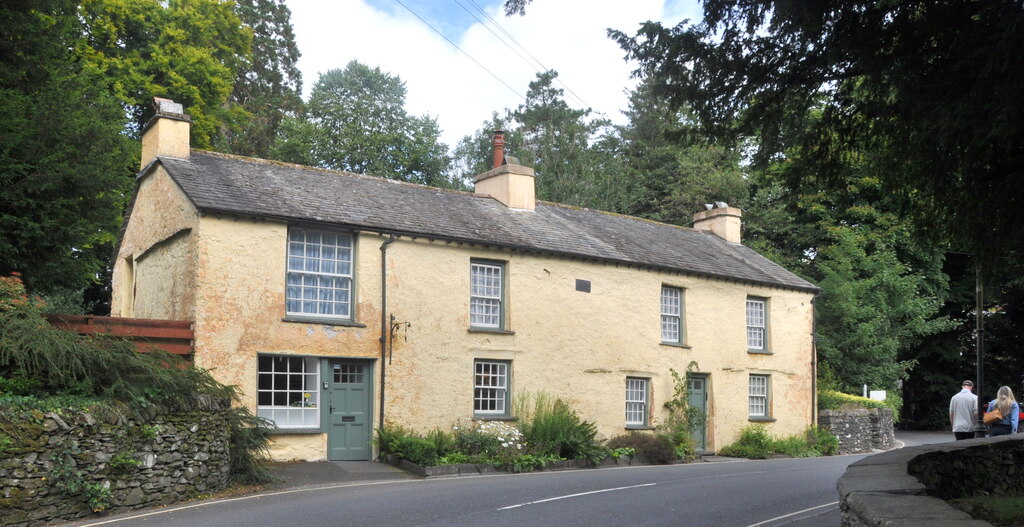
column 671, row 315
column 490, row 388
column 487, row 294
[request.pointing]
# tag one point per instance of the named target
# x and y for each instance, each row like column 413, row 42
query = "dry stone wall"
column 71, row 467
column 860, row 430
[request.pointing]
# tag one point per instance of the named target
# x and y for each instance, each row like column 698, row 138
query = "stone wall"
column 71, row 467
column 910, row 486
column 860, row 430
column 995, row 466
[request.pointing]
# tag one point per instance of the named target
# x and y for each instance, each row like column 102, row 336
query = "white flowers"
column 508, row 435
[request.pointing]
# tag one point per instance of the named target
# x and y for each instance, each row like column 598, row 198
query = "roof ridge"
column 620, row 215
column 332, row 171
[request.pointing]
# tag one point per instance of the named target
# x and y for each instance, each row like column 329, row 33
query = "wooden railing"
column 172, row 336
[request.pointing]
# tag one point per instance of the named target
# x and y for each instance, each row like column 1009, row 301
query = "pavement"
column 299, row 474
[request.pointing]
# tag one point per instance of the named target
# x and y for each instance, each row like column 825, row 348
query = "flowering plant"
column 494, row 441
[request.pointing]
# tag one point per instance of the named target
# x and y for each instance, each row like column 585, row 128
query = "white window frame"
column 758, row 395
column 319, row 276
column 757, row 324
column 486, row 294
column 491, row 388
column 672, row 315
column 287, row 390
column 637, row 392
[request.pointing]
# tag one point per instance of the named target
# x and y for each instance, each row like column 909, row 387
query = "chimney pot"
column 499, row 148
column 167, row 106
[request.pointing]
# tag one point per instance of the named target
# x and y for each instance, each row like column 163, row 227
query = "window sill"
column 760, row 352
column 296, row 431
column 761, row 419
column 494, row 418
column 639, row 427
column 323, row 320
column 492, row 331
column 676, row 345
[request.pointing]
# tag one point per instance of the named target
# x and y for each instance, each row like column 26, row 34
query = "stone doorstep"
column 890, row 510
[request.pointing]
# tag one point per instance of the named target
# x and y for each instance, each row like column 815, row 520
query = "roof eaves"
column 510, row 246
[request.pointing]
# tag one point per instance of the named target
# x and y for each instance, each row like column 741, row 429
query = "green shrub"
column 53, row 362
column 388, row 437
column 527, row 462
column 471, row 441
column 657, row 448
column 738, row 450
column 20, row 386
column 248, row 446
column 754, row 443
column 454, row 458
column 822, row 441
column 123, row 462
column 833, row 400
column 417, row 450
column 557, row 430
column 793, row 446
column 622, row 451
column 443, row 440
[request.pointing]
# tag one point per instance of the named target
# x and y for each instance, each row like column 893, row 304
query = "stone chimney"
column 167, row 133
column 721, row 219
column 508, row 182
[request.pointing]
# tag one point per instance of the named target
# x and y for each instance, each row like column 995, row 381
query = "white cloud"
column 441, row 81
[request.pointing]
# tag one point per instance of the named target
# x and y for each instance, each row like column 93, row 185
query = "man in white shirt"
column 963, row 410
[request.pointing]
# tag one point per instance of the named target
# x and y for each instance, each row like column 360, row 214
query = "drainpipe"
column 814, row 361
column 383, row 320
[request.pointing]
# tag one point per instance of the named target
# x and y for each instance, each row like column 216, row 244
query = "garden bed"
column 475, row 469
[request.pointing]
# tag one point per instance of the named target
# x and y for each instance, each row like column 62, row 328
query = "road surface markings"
column 567, row 496
column 758, row 524
column 218, row 501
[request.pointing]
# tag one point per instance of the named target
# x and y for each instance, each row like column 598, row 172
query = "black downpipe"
column 814, row 360
column 383, row 321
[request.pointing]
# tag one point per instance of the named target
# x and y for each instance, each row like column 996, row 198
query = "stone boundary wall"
column 860, row 430
column 909, row 486
column 67, row 468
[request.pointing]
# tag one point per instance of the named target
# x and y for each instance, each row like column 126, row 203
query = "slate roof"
column 253, row 187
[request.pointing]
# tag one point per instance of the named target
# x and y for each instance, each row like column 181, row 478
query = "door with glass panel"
column 696, row 386
column 347, row 404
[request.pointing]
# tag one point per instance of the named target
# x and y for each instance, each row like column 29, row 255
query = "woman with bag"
column 1008, row 407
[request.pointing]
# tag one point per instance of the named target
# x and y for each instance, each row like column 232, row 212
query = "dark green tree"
column 268, row 84
column 186, row 50
column 672, row 173
column 356, row 121
column 882, row 288
column 930, row 89
column 65, row 161
column 556, row 140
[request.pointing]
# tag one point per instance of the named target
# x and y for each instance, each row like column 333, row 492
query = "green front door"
column 697, row 387
column 348, row 400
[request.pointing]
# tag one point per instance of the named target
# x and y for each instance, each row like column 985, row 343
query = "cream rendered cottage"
column 338, row 301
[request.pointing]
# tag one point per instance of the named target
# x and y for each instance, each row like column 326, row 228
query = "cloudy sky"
column 568, row 36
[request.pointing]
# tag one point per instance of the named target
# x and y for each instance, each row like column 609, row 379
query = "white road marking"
column 216, row 501
column 793, row 514
column 567, row 496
